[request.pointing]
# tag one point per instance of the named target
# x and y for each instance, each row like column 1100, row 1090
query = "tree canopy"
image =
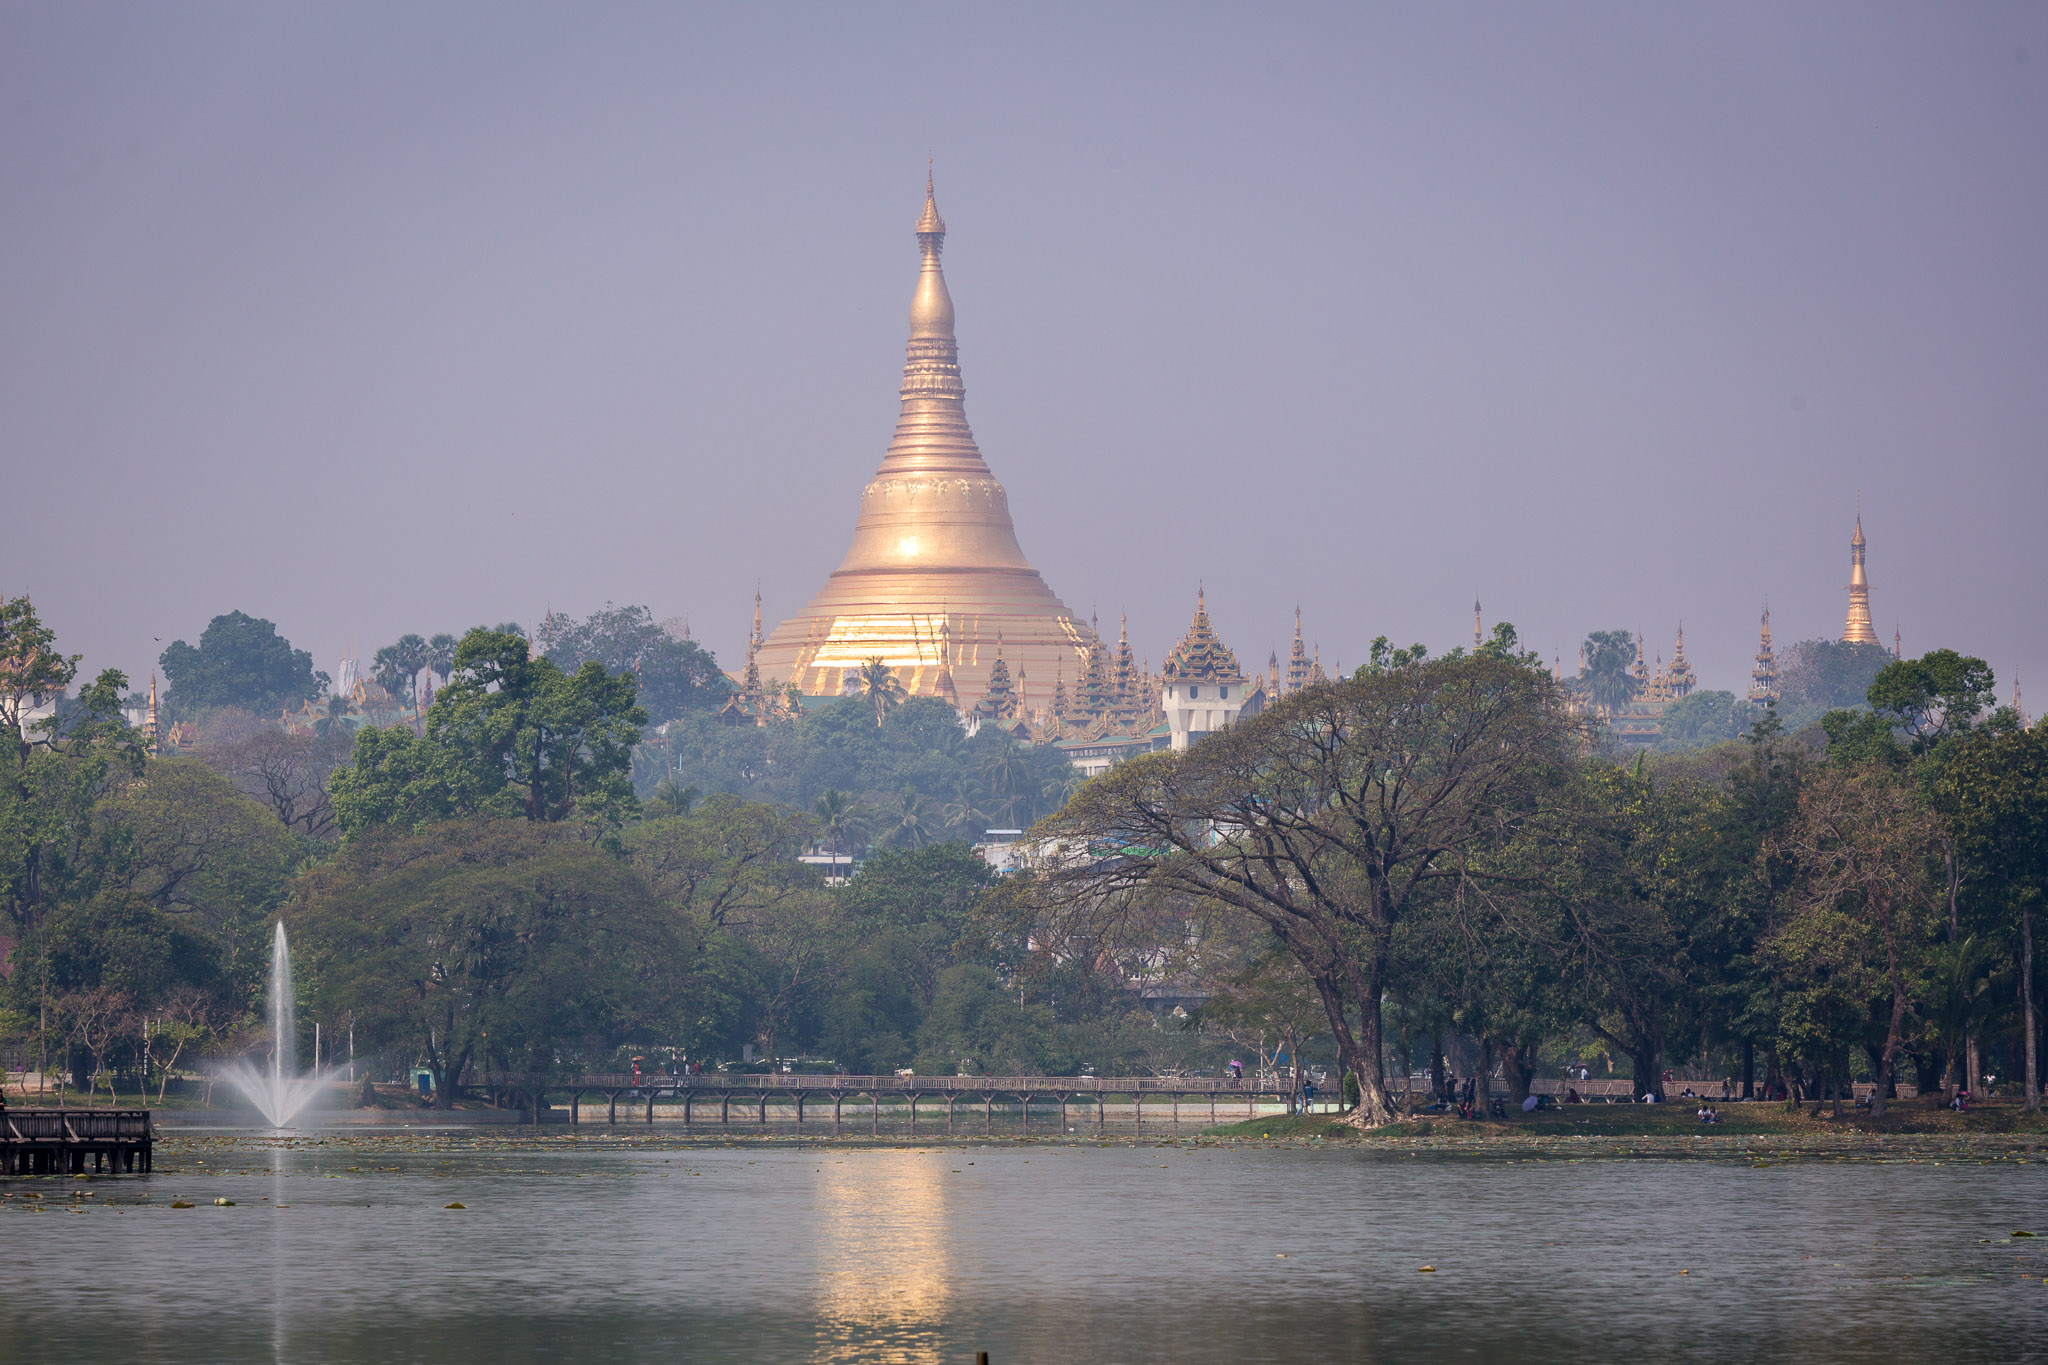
column 242, row 661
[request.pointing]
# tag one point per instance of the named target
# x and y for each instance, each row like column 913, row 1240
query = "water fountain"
column 280, row 1092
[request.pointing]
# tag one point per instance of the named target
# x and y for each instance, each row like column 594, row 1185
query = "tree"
column 879, row 684
column 510, row 735
column 1863, row 912
column 441, row 656
column 188, row 843
column 1604, row 677
column 53, row 770
column 397, row 665
column 241, row 661
column 727, row 861
column 675, row 674
column 1328, row 819
column 286, row 770
column 1995, row 789
column 1932, row 698
column 1828, row 674
column 1702, row 718
column 840, row 820
column 498, row 941
column 908, row 826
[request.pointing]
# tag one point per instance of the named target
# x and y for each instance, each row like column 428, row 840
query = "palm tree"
column 337, row 707
column 910, row 828
column 398, row 665
column 878, row 684
column 441, row 656
column 839, row 820
column 673, row 798
column 1003, row 770
column 963, row 812
column 1605, row 678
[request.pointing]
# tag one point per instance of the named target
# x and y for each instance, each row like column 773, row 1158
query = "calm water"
column 343, row 1251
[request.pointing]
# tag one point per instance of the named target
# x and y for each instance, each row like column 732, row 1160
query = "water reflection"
column 882, row 1255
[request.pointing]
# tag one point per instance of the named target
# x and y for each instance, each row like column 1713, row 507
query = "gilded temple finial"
column 1857, row 629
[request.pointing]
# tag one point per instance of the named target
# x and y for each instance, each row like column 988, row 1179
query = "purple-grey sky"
column 375, row 318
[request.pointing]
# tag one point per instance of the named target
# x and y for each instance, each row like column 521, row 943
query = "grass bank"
column 1669, row 1123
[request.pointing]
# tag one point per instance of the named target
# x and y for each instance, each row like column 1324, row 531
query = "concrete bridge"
column 1214, row 1098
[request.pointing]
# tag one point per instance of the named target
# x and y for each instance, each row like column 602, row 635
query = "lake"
column 341, row 1249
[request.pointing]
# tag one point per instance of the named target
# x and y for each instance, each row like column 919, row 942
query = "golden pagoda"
column 934, row 573
column 1857, row 630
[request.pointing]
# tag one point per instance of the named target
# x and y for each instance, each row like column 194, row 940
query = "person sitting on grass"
column 1571, row 1095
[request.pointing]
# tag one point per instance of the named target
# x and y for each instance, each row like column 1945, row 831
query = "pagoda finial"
column 1478, row 637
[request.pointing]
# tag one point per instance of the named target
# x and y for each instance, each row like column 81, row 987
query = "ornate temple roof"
column 1200, row 656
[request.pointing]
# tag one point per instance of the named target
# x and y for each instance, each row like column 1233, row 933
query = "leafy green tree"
column 727, row 861
column 1702, row 718
column 54, row 769
column 976, row 1026
column 242, row 661
column 491, row 940
column 1932, row 698
column 1818, row 675
column 675, row 676
column 510, row 735
column 1995, row 790
column 929, row 900
column 187, row 842
column 1865, row 911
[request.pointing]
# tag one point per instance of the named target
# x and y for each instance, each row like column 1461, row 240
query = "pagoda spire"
column 1478, row 635
column 933, row 533
column 1857, row 630
column 1763, row 678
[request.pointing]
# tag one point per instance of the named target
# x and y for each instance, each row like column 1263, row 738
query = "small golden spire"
column 1857, row 630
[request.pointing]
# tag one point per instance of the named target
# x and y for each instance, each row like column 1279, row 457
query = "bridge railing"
column 791, row 1082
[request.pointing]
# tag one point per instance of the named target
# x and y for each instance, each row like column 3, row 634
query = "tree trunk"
column 1976, row 1067
column 1520, row 1065
column 2033, row 1076
column 1482, row 1080
column 1647, row 1060
column 1749, row 1068
column 1439, row 1081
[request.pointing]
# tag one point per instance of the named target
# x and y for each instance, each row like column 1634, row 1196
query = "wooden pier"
column 60, row 1141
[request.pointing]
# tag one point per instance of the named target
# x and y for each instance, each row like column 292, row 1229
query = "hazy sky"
column 383, row 318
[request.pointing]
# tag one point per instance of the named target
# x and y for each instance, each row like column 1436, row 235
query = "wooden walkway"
column 1213, row 1098
column 58, row 1141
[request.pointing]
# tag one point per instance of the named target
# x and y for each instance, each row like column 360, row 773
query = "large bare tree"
column 1329, row 819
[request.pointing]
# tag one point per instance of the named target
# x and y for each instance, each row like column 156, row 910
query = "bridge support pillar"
column 911, row 1095
column 837, row 1100
column 1101, row 1112
column 1026, row 1099
column 688, row 1096
column 988, row 1111
column 799, row 1108
column 764, row 1108
column 950, row 1098
column 611, row 1107
column 725, row 1108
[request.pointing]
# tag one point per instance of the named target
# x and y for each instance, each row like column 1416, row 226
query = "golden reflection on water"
column 882, row 1257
